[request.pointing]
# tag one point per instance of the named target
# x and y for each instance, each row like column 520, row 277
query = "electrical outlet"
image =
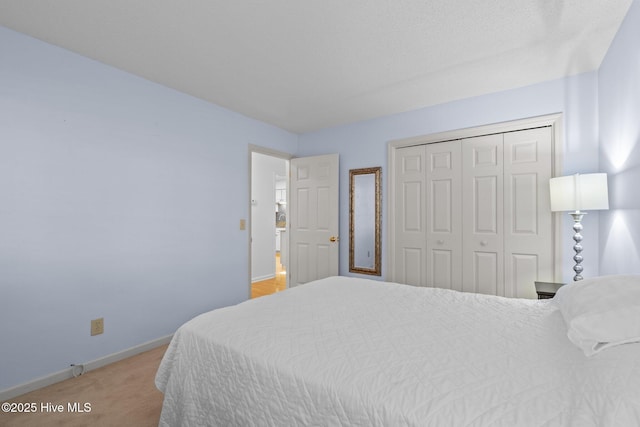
column 97, row 326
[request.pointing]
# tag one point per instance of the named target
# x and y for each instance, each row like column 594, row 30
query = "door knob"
column 440, row 242
column 334, row 239
column 484, row 242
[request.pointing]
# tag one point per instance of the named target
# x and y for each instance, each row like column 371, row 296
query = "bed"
column 357, row 352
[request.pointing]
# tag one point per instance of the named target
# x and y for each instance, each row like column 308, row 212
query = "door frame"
column 273, row 153
column 551, row 120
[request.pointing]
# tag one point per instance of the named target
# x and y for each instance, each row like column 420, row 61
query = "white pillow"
column 601, row 312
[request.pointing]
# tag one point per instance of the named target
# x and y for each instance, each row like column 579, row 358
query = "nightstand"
column 547, row 290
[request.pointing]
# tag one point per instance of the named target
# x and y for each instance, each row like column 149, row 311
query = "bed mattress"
column 358, row 352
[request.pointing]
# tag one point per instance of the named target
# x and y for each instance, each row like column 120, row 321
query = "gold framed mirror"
column 364, row 221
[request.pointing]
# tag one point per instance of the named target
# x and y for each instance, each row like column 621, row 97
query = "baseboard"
column 66, row 374
column 261, row 278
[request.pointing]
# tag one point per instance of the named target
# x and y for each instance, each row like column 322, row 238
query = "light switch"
column 243, row 224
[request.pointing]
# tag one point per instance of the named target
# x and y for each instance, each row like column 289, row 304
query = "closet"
column 472, row 214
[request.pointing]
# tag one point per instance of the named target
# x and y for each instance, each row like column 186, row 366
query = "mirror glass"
column 364, row 221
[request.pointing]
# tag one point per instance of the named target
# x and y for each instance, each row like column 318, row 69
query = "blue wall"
column 364, row 144
column 119, row 198
column 619, row 102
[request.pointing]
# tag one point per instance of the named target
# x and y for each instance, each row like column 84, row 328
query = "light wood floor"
column 119, row 394
column 270, row 286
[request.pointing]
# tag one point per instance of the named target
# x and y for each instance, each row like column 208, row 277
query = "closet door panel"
column 522, row 197
column 520, row 269
column 413, row 271
column 528, row 225
column 412, row 221
column 443, row 269
column 440, row 201
column 485, row 194
column 485, row 273
column 483, row 219
column 444, row 216
column 410, row 226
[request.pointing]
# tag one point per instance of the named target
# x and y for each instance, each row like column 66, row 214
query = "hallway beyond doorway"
column 271, row 286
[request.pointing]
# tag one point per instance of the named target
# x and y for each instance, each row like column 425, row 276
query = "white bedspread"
column 356, row 352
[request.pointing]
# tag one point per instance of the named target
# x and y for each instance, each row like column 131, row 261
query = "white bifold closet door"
column 444, row 215
column 528, row 225
column 411, row 236
column 483, row 199
column 473, row 214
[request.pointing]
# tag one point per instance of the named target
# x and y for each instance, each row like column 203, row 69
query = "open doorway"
column 269, row 181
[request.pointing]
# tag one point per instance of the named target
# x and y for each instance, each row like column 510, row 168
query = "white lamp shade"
column 579, row 192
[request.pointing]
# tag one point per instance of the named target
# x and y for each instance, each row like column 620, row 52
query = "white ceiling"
column 303, row 65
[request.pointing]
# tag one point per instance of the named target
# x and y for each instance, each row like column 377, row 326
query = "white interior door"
column 428, row 226
column 528, row 239
column 483, row 213
column 313, row 219
column 410, row 231
column 444, row 215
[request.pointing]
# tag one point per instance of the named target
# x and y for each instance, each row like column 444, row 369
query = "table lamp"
column 577, row 193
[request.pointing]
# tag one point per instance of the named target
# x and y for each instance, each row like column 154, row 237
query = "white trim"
column 66, row 374
column 552, row 120
column 512, row 126
column 557, row 145
column 269, row 152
